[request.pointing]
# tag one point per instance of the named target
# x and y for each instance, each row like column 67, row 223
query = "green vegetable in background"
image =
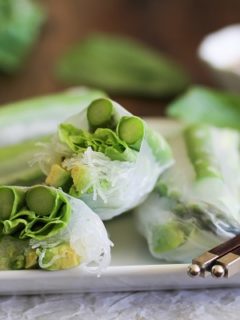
column 42, row 114
column 15, row 165
column 20, row 23
column 205, row 105
column 121, row 66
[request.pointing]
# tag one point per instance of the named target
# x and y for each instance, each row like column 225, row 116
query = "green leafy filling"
column 21, row 218
column 102, row 140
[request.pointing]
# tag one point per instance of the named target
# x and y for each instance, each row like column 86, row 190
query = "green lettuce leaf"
column 23, row 222
column 204, row 105
column 121, row 66
column 103, row 140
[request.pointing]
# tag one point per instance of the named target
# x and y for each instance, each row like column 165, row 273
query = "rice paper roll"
column 195, row 204
column 44, row 228
column 105, row 156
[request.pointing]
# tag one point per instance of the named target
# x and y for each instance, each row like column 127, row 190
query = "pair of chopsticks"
column 221, row 261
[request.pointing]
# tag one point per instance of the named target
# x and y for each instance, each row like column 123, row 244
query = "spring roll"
column 106, row 157
column 195, row 204
column 44, row 228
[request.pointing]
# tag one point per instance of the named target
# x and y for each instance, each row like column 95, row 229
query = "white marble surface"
column 164, row 305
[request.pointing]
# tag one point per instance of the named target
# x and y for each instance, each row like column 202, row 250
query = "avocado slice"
column 62, row 257
column 31, row 259
column 81, row 177
column 58, row 177
column 12, row 253
column 168, row 237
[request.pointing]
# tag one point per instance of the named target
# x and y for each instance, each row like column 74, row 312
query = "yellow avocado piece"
column 57, row 176
column 81, row 177
column 30, row 259
column 62, row 257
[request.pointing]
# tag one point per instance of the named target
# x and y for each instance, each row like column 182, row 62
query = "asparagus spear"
column 6, row 200
column 10, row 200
column 200, row 151
column 42, row 200
column 100, row 114
column 131, row 130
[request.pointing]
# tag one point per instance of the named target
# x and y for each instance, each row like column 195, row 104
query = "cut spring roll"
column 43, row 228
column 26, row 124
column 195, row 205
column 105, row 156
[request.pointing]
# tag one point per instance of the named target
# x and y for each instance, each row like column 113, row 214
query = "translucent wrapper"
column 113, row 181
column 43, row 228
column 195, row 204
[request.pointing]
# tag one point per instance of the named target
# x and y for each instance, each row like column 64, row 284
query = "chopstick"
column 228, row 265
column 222, row 260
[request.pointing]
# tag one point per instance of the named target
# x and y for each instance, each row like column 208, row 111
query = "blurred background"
column 173, row 27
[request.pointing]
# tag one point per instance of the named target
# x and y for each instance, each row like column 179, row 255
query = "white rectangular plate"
column 132, row 267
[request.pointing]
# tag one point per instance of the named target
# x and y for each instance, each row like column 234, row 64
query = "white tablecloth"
column 205, row 304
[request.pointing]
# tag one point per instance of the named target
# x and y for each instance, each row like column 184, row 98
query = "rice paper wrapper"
column 189, row 213
column 130, row 182
column 83, row 238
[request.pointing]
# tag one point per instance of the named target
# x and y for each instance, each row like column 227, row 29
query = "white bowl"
column 221, row 52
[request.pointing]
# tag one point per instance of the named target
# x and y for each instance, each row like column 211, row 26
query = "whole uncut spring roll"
column 195, row 204
column 105, row 156
column 43, row 228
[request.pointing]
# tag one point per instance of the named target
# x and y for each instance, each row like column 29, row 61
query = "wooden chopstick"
column 205, row 262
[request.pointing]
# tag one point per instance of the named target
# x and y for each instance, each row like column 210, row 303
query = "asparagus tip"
column 131, row 130
column 100, row 112
column 41, row 200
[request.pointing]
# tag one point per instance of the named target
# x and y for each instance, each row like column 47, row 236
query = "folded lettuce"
column 106, row 157
column 196, row 203
column 43, row 228
column 20, row 24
